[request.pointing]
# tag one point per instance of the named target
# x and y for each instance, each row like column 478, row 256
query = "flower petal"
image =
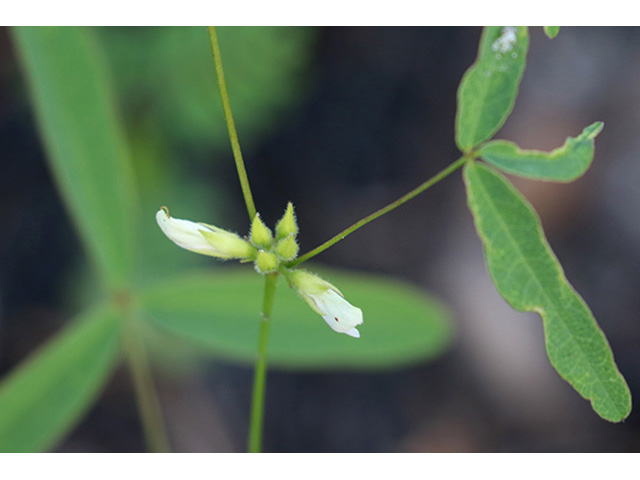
column 339, row 314
column 328, row 301
column 353, row 333
column 184, row 233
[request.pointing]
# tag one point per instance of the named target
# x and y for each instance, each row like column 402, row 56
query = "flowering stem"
column 233, row 135
column 260, row 375
column 361, row 223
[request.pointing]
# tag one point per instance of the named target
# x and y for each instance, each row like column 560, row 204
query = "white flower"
column 327, row 301
column 202, row 238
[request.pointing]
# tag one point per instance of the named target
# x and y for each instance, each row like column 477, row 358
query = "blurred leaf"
column 168, row 72
column 46, row 396
column 563, row 164
column 402, row 325
column 86, row 148
column 162, row 183
column 489, row 87
column 527, row 274
column 551, row 32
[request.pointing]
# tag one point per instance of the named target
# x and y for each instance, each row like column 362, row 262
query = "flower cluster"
column 269, row 253
column 272, row 251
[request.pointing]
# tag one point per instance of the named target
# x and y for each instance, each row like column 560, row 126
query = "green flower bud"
column 229, row 244
column 287, row 224
column 266, row 262
column 287, row 249
column 261, row 236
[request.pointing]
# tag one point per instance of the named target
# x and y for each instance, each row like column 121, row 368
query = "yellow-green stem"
column 260, row 374
column 361, row 223
column 231, row 126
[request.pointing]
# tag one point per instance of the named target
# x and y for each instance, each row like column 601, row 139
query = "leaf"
column 86, row 147
column 551, row 32
column 563, row 164
column 489, row 87
column 265, row 69
column 402, row 325
column 527, row 274
column 46, row 396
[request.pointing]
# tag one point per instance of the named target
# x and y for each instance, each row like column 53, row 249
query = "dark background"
column 373, row 118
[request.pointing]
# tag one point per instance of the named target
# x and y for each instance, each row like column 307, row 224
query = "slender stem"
column 146, row 397
column 260, row 375
column 403, row 199
column 233, row 135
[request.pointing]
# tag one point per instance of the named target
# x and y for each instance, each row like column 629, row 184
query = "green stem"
column 260, row 375
column 361, row 223
column 146, row 397
column 233, row 135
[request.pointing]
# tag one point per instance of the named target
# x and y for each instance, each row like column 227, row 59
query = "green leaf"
column 402, row 325
column 551, row 32
column 489, row 87
column 46, row 396
column 563, row 164
column 86, row 147
column 527, row 274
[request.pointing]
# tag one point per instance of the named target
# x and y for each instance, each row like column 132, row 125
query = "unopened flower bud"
column 261, row 236
column 287, row 225
column 287, row 249
column 203, row 238
column 266, row 262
